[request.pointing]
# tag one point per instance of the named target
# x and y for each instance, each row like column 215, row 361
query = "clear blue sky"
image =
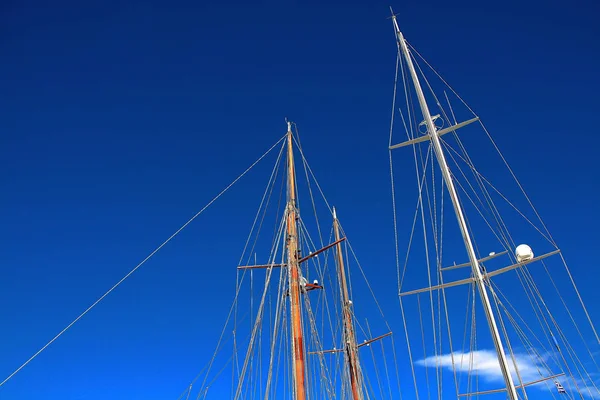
column 119, row 120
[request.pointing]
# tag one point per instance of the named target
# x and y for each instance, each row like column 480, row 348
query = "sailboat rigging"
column 478, row 275
column 294, row 276
column 349, row 338
column 304, row 338
column 297, row 295
column 517, row 371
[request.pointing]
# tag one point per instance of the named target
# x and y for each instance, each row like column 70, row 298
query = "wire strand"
column 139, row 265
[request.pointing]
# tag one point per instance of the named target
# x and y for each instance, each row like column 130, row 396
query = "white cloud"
column 586, row 388
column 484, row 363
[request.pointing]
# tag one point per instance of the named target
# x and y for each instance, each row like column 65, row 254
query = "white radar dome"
column 523, row 253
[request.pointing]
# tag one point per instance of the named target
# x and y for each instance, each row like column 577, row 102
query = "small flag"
column 559, row 387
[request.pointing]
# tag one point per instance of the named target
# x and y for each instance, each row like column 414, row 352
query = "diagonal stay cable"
column 139, row 265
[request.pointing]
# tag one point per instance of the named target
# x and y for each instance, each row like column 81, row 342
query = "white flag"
column 559, row 387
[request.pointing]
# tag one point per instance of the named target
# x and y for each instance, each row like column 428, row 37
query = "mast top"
column 289, row 124
column 334, row 214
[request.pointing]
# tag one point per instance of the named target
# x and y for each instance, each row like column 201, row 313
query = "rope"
column 510, row 348
column 315, row 338
column 254, row 332
column 570, row 315
column 395, row 218
column 409, row 131
column 433, row 217
column 428, row 268
column 235, row 367
column 278, row 315
column 139, row 265
column 501, row 224
column 538, row 294
column 569, row 348
column 266, row 196
column 380, row 386
column 524, row 194
column 410, row 357
column 423, row 343
column 315, row 179
column 530, row 348
column 580, row 299
column 387, row 374
column 365, row 277
column 312, row 199
column 484, row 179
column 272, row 258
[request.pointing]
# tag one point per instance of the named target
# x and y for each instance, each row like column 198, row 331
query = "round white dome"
column 523, row 253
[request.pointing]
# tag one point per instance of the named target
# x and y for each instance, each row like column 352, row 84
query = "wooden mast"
column 349, row 337
column 294, row 276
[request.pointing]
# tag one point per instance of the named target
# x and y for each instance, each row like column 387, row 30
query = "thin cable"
column 524, row 194
column 393, row 188
column 139, row 265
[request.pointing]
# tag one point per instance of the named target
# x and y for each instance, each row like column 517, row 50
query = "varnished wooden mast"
column 350, row 346
column 294, row 276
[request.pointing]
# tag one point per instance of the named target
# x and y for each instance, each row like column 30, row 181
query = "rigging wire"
column 312, row 199
column 278, row 315
column 525, row 284
column 568, row 270
column 506, row 236
column 268, row 190
column 409, row 131
column 394, row 214
column 139, row 265
column 507, row 245
column 233, row 309
column 258, row 319
column 255, row 329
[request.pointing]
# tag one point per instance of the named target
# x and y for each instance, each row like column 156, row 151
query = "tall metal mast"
column 294, row 276
column 349, row 337
column 435, row 140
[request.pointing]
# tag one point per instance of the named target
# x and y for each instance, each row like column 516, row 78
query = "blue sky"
column 120, row 120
